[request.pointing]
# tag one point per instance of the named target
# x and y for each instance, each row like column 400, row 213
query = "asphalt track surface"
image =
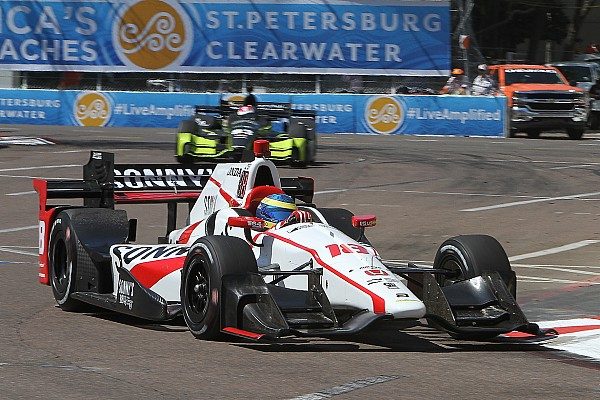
column 539, row 198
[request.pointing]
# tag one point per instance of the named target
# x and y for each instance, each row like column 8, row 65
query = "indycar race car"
column 227, row 132
column 227, row 272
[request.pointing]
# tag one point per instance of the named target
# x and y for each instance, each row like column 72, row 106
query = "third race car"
column 228, row 131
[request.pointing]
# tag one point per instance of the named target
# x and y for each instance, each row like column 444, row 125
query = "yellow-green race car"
column 227, row 132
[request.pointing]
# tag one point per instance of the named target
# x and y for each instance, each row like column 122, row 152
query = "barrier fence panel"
column 336, row 113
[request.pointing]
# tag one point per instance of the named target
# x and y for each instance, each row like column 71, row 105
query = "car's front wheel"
column 209, row 260
column 470, row 256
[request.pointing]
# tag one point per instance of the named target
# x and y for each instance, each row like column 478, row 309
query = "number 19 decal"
column 337, row 249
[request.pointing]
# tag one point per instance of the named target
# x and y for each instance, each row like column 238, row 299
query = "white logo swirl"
column 164, row 23
column 387, row 114
column 95, row 110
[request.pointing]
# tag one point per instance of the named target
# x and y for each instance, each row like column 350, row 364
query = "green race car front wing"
column 214, row 146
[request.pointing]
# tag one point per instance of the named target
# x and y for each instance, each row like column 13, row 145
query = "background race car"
column 227, row 132
column 228, row 271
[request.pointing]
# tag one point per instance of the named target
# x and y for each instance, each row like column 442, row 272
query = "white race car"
column 226, row 272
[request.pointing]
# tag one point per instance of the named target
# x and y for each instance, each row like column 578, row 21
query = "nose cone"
column 406, row 307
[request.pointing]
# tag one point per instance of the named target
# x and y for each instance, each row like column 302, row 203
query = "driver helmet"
column 457, row 71
column 275, row 208
column 245, row 110
column 482, row 67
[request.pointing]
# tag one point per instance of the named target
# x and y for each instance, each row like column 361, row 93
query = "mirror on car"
column 363, row 221
column 253, row 223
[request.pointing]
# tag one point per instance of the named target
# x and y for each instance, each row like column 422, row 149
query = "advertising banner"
column 380, row 37
column 335, row 113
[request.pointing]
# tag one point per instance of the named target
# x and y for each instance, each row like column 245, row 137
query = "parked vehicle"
column 540, row 98
column 579, row 73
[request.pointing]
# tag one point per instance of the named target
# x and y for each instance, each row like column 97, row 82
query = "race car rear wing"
column 270, row 110
column 105, row 184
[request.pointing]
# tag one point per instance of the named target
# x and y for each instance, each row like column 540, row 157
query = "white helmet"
column 482, row 67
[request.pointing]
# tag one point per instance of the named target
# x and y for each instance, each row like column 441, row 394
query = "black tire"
column 184, row 159
column 341, row 219
column 533, row 133
column 473, row 255
column 64, row 256
column 311, row 137
column 188, row 126
column 594, row 120
column 575, row 133
column 209, row 260
column 295, row 161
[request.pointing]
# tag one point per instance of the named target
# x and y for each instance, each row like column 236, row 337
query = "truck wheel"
column 473, row 255
column 594, row 120
column 64, row 255
column 209, row 260
column 575, row 133
column 533, row 133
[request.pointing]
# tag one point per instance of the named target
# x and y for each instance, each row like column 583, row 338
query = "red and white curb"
column 580, row 336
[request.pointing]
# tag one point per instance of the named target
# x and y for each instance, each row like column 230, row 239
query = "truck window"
column 576, row 73
column 523, row 75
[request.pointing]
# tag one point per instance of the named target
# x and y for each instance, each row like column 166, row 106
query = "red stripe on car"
column 243, row 333
column 378, row 302
column 185, row 235
column 230, row 200
column 149, row 273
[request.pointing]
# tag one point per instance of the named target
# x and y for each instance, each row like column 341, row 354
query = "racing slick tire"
column 76, row 231
column 210, row 259
column 473, row 255
column 64, row 255
column 575, row 133
column 304, row 128
column 188, row 126
column 341, row 219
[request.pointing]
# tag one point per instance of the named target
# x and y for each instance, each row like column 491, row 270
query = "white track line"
column 525, row 202
column 40, row 167
column 554, row 250
column 21, row 193
column 539, row 279
column 23, row 228
column 570, row 270
column 26, row 253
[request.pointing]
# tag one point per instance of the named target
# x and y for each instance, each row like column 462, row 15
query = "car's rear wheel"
column 209, row 260
column 64, row 256
column 296, row 161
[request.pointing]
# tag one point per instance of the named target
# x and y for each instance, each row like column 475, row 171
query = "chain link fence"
column 221, row 83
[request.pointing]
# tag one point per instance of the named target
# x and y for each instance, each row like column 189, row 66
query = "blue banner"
column 336, row 113
column 381, row 37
